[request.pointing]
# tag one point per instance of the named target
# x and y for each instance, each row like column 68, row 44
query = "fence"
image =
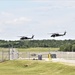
column 12, row 54
column 65, row 55
column 34, row 55
column 8, row 54
column 4, row 55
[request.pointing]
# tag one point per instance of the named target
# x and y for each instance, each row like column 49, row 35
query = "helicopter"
column 24, row 37
column 57, row 34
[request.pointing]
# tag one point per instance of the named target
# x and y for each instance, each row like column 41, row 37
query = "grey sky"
column 38, row 17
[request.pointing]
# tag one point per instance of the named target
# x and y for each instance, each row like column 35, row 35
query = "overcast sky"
column 38, row 17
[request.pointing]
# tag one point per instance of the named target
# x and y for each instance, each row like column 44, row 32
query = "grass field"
column 38, row 49
column 29, row 67
column 4, row 49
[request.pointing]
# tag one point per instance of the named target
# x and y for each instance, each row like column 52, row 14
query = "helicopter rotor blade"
column 21, row 36
column 54, row 33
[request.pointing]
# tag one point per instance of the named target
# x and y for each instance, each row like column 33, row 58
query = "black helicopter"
column 57, row 34
column 24, row 37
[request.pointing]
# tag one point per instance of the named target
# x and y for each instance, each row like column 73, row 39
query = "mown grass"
column 38, row 49
column 30, row 67
column 4, row 49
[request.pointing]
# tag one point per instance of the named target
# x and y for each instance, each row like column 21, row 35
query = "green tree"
column 73, row 47
column 67, row 47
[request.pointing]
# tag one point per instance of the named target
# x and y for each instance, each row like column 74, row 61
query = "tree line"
column 64, row 45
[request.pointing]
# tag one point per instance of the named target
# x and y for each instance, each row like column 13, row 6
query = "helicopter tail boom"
column 65, row 33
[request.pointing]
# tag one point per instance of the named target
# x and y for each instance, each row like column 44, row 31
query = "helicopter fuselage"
column 23, row 38
column 56, row 34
